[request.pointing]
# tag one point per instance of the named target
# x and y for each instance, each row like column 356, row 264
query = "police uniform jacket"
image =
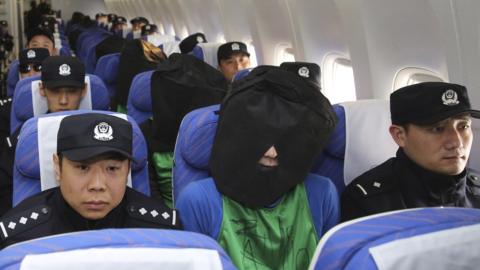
column 48, row 213
column 7, row 152
column 399, row 183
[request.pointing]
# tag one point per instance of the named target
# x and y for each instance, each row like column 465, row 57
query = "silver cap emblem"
column 64, row 70
column 200, row 39
column 103, row 132
column 235, row 47
column 304, row 72
column 450, row 98
column 31, row 54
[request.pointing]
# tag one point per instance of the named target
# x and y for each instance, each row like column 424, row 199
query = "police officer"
column 92, row 163
column 188, row 43
column 232, row 57
column 431, row 123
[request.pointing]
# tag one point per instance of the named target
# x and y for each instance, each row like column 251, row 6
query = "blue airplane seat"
column 138, row 248
column 27, row 101
column 33, row 165
column 65, row 50
column 107, row 70
column 207, row 52
column 421, row 238
column 90, row 59
column 13, row 77
column 241, row 74
column 139, row 103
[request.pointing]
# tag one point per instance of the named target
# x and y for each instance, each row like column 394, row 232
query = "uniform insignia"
column 23, row 221
column 64, row 70
column 376, row 184
column 200, row 39
column 144, row 213
column 304, row 72
column 103, row 132
column 147, row 27
column 450, row 98
column 235, row 47
column 31, row 54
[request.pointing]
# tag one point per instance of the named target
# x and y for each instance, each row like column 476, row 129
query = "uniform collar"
column 113, row 219
column 439, row 187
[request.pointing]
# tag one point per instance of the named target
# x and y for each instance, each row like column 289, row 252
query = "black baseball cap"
column 226, row 50
column 3, row 23
column 139, row 20
column 63, row 71
column 33, row 56
column 309, row 71
column 119, row 20
column 84, row 136
column 40, row 31
column 148, row 29
column 191, row 41
column 429, row 102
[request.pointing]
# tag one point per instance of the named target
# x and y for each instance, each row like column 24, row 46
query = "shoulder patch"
column 147, row 213
column 474, row 178
column 372, row 187
column 23, row 221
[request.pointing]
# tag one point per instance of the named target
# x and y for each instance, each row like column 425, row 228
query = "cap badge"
column 64, row 70
column 31, row 54
column 200, row 39
column 304, row 72
column 103, row 132
column 450, row 98
column 147, row 27
column 235, row 47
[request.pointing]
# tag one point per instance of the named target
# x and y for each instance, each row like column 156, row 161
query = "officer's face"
column 229, row 67
column 63, row 98
column 41, row 41
column 443, row 147
column 92, row 188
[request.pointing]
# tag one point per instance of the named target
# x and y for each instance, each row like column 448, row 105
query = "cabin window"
column 284, row 53
column 413, row 75
column 338, row 80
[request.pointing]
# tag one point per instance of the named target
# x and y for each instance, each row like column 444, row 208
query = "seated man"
column 30, row 61
column 261, row 204
column 137, row 24
column 232, row 57
column 431, row 123
column 92, row 164
column 191, row 41
column 41, row 38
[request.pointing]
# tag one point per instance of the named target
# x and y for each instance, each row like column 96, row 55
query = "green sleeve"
column 163, row 163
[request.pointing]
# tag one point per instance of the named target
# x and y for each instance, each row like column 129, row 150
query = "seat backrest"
column 107, row 70
column 139, row 103
column 158, row 39
column 360, row 141
column 12, row 77
column 207, row 52
column 422, row 238
column 33, row 165
column 106, row 249
column 170, row 47
column 27, row 101
column 241, row 74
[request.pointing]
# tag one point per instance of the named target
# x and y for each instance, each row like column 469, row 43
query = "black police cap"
column 429, row 102
column 149, row 29
column 309, row 71
column 226, row 50
column 40, row 31
column 84, row 136
column 3, row 23
column 139, row 20
column 189, row 42
column 63, row 71
column 33, row 56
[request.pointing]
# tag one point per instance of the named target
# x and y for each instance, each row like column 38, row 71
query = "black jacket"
column 47, row 213
column 399, row 183
column 7, row 154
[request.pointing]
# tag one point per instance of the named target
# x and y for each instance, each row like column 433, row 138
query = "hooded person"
column 137, row 56
column 271, row 127
column 179, row 85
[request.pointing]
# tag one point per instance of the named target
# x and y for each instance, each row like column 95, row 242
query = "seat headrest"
column 170, row 47
column 207, row 52
column 140, row 91
column 336, row 145
column 107, row 68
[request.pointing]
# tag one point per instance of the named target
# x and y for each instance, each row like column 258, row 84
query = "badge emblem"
column 235, row 47
column 103, row 132
column 450, row 98
column 200, row 39
column 64, row 70
column 147, row 27
column 304, row 72
column 31, row 54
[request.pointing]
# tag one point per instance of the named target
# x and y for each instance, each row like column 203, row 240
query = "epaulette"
column 4, row 102
column 23, row 221
column 474, row 178
column 166, row 217
column 372, row 187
